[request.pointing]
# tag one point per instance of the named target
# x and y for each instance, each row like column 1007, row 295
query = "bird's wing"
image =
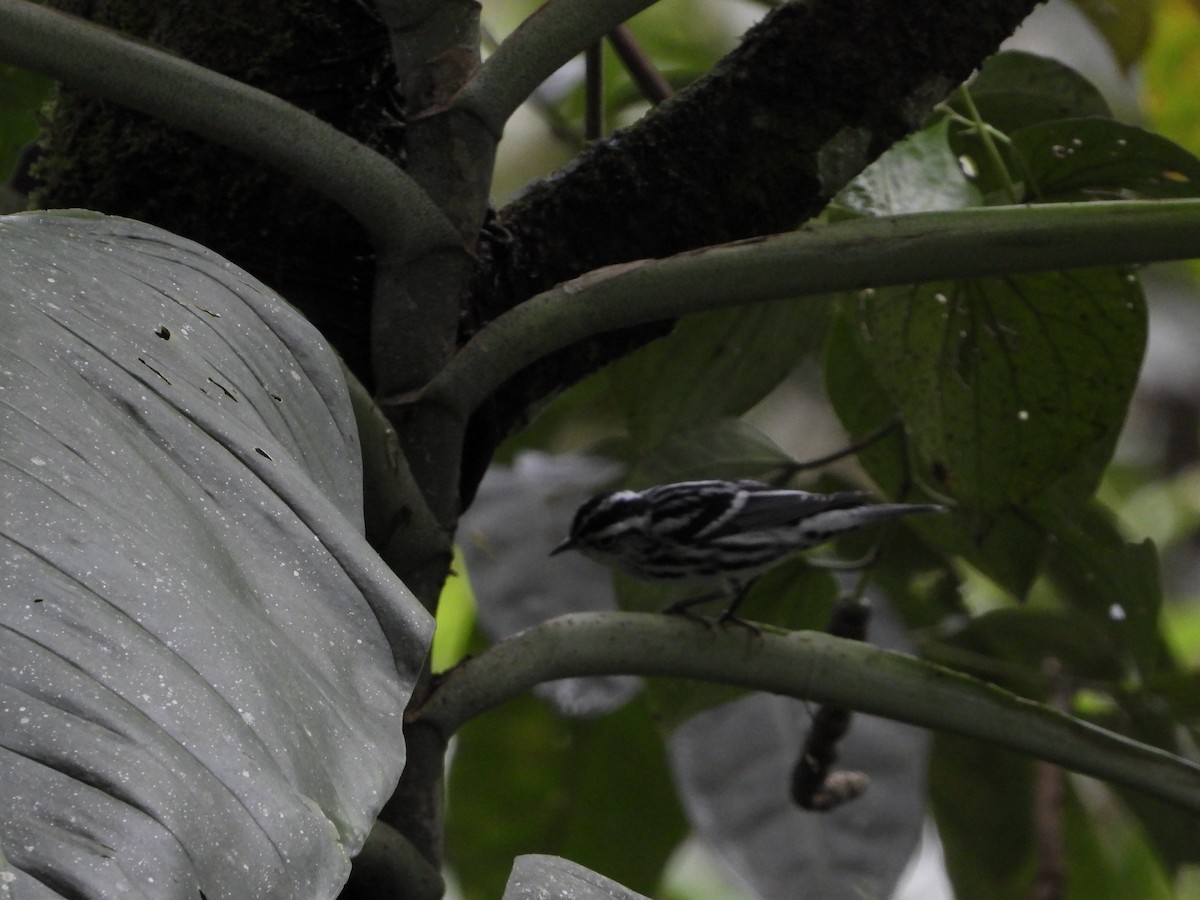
column 765, row 507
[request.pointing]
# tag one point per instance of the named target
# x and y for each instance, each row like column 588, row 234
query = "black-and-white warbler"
column 720, row 533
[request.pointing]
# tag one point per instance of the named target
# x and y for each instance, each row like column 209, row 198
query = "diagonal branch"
column 813, row 94
column 850, row 255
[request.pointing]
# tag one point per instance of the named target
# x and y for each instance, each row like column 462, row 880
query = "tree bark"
column 813, row 94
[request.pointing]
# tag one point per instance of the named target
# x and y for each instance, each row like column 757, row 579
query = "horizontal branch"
column 536, row 50
column 399, row 217
column 850, row 255
column 807, row 665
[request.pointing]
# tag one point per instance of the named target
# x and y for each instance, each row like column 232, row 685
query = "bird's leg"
column 730, row 617
column 684, row 607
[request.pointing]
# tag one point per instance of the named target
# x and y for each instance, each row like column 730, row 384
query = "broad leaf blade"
column 597, row 791
column 1014, row 89
column 1099, row 159
column 714, row 364
column 1005, row 384
column 537, row 876
column 918, row 174
column 205, row 664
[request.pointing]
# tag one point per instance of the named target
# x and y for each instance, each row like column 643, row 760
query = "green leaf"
column 919, row 174
column 1109, row 857
column 538, row 876
column 1026, row 637
column 1015, row 89
column 712, row 365
column 1099, row 159
column 863, row 406
column 1006, row 384
column 21, row 94
column 1114, row 582
column 721, row 448
column 597, row 792
column 205, row 663
column 981, row 798
column 1006, row 546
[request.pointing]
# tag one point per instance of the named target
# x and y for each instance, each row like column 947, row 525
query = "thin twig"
column 547, row 40
column 1050, row 879
column 593, row 92
column 644, row 73
column 849, row 450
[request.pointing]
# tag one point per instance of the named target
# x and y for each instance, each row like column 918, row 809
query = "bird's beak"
column 568, row 544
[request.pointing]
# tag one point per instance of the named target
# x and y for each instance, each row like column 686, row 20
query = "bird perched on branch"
column 722, row 533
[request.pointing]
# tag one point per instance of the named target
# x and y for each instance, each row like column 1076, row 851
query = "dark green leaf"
column 1006, row 384
column 721, row 448
column 1099, row 159
column 1109, row 856
column 1026, row 637
column 1015, row 89
column 863, row 406
column 597, row 792
column 1112, row 581
column 712, row 365
column 21, row 94
column 918, row 174
column 205, row 661
column 1007, row 546
column 981, row 797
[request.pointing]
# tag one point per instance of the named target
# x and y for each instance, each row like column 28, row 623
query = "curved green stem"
column 400, row 218
column 399, row 523
column 806, row 665
column 989, row 144
column 535, row 51
column 850, row 255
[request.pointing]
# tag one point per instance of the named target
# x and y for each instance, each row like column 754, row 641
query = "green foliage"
column 1011, row 393
column 1007, row 397
column 21, row 94
column 596, row 791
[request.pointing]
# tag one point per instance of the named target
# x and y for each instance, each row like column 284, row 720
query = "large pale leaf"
column 536, row 876
column 204, row 664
